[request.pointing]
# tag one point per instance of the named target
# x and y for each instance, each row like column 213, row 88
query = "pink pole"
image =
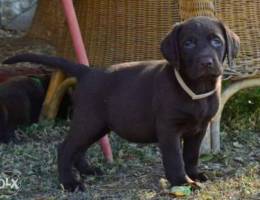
column 82, row 58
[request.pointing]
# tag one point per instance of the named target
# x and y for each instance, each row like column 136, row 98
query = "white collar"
column 189, row 91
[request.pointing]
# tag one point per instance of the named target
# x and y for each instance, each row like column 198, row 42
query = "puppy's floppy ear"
column 232, row 44
column 170, row 47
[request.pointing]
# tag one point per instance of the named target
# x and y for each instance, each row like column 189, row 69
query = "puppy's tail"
column 68, row 67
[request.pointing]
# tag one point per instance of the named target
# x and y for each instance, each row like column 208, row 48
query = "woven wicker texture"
column 243, row 17
column 191, row 8
column 114, row 31
column 49, row 24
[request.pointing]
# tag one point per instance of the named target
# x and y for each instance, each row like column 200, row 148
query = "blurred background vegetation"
column 242, row 111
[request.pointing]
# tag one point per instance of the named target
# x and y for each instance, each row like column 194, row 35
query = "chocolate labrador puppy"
column 169, row 102
column 21, row 99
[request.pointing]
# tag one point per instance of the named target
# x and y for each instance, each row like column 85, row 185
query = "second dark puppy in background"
column 21, row 100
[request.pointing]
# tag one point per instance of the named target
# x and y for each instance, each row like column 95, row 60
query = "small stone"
column 237, row 145
column 164, row 184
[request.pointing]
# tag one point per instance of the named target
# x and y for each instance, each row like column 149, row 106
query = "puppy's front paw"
column 199, row 176
column 193, row 184
column 186, row 181
column 180, row 180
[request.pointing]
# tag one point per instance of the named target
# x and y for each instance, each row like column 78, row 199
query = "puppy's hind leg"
column 82, row 165
column 84, row 132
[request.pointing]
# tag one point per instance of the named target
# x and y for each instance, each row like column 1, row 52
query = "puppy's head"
column 199, row 46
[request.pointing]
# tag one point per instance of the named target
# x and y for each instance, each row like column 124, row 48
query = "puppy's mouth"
column 212, row 73
column 215, row 73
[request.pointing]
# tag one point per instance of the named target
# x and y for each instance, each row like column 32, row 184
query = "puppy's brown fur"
column 143, row 102
column 21, row 99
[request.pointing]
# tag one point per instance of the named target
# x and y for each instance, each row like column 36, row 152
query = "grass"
column 135, row 173
column 242, row 111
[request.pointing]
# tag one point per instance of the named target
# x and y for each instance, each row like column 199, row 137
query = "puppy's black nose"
column 206, row 62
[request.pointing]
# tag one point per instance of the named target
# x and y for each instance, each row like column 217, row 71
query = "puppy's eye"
column 216, row 42
column 189, row 44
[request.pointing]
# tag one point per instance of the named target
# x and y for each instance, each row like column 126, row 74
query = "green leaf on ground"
column 180, row 191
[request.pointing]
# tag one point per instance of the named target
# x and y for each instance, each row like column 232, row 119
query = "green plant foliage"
column 242, row 111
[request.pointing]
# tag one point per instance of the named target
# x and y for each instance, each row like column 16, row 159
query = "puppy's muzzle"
column 210, row 67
